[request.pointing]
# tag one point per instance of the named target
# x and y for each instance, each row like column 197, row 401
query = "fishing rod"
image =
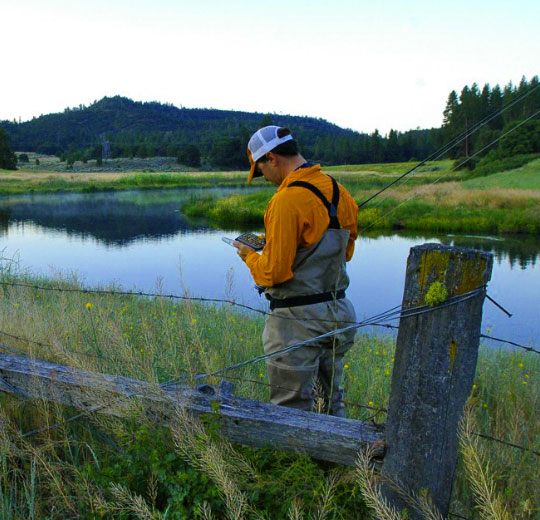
column 454, row 142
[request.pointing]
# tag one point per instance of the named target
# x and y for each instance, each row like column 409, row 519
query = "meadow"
column 102, row 467
column 434, row 199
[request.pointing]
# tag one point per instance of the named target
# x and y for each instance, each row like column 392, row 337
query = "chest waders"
column 314, row 303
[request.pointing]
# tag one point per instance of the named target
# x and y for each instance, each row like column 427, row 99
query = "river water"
column 142, row 241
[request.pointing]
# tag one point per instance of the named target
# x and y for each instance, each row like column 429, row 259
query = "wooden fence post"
column 434, row 368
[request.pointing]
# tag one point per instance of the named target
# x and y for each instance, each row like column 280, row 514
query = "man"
column 311, row 226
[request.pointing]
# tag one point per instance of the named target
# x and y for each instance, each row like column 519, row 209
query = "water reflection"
column 522, row 251
column 5, row 217
column 114, row 219
column 518, row 250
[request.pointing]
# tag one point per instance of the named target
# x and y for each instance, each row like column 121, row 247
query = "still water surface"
column 141, row 240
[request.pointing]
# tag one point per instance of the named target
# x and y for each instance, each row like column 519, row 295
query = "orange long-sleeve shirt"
column 295, row 217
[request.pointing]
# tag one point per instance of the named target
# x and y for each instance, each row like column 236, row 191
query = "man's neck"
column 289, row 165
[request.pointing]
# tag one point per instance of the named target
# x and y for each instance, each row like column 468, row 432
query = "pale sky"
column 359, row 64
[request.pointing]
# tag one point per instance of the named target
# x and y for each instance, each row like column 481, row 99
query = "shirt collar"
column 300, row 173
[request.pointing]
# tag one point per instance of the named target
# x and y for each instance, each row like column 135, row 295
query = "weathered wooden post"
column 434, row 368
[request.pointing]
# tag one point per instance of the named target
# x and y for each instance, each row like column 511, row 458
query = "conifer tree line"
column 119, row 127
column 473, row 105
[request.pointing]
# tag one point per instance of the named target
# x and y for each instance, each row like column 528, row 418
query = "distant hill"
column 147, row 129
column 154, row 128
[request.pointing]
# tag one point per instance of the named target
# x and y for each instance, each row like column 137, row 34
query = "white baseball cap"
column 262, row 141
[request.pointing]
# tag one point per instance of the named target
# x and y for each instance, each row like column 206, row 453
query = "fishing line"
column 453, row 169
column 454, row 142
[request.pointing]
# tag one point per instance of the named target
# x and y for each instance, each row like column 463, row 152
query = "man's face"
column 270, row 172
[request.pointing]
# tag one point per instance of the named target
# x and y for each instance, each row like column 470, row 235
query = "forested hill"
column 120, row 127
column 146, row 129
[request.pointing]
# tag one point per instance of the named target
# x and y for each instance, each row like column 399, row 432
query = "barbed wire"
column 456, row 515
column 511, row 444
column 170, row 297
column 394, row 313
column 524, row 347
column 375, row 318
column 443, row 150
column 270, row 385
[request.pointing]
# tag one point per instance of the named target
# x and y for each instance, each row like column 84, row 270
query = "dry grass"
column 479, row 473
column 41, row 176
column 452, row 195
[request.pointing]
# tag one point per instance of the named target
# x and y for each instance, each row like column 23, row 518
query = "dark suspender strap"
column 296, row 301
column 331, row 208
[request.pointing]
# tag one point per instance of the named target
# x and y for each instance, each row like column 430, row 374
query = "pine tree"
column 266, row 121
column 8, row 160
column 450, row 109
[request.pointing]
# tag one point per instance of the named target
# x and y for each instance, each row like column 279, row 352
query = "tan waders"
column 310, row 304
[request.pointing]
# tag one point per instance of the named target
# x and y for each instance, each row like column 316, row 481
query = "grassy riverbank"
column 98, row 467
column 21, row 181
column 435, row 201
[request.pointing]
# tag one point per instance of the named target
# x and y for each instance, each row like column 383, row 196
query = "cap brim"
column 253, row 171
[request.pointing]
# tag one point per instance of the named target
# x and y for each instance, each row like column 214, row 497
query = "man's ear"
column 272, row 158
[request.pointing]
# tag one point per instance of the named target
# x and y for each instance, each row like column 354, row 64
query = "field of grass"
column 100, row 467
column 51, row 176
column 506, row 202
column 443, row 166
column 21, row 181
column 525, row 178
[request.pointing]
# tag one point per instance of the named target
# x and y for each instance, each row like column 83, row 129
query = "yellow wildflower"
column 88, row 305
column 370, row 403
column 193, row 321
column 346, row 366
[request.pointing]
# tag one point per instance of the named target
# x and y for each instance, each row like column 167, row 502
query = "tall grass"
column 101, row 467
column 234, row 210
column 509, row 202
column 29, row 182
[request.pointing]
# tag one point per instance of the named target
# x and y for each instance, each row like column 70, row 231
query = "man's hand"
column 243, row 250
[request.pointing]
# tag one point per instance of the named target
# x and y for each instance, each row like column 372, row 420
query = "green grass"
column 393, row 168
column 20, row 182
column 418, row 215
column 76, row 470
column 506, row 202
column 526, row 177
column 243, row 210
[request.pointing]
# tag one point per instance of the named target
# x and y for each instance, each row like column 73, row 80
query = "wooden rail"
column 243, row 421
